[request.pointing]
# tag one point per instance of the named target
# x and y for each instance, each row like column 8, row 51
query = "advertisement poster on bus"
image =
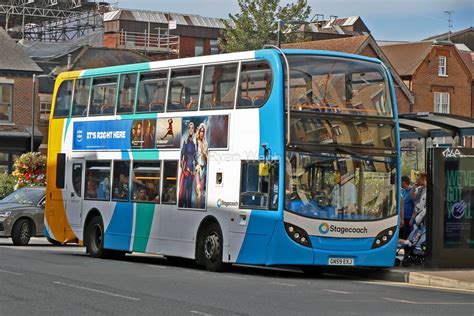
column 143, row 134
column 199, row 133
column 168, row 132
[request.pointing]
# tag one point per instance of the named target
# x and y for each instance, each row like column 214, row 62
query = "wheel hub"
column 97, row 237
column 25, row 232
column 211, row 246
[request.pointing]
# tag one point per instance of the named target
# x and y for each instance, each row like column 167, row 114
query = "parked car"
column 22, row 214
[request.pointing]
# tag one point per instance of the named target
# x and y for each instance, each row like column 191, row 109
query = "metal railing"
column 158, row 42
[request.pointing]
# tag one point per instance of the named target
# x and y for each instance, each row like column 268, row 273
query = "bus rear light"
column 383, row 237
column 298, row 234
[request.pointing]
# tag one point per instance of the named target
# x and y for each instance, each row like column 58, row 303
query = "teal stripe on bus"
column 116, row 70
column 143, row 222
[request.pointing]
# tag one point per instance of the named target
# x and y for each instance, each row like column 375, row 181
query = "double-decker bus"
column 267, row 157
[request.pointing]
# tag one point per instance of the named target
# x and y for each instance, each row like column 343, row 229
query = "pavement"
column 443, row 278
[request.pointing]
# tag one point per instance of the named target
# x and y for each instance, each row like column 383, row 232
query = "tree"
column 30, row 170
column 257, row 24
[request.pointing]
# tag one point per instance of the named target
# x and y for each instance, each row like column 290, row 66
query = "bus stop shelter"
column 450, row 194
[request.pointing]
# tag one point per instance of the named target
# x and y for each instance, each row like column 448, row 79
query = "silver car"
column 22, row 214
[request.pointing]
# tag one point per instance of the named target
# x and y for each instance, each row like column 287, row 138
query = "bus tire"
column 94, row 238
column 22, row 232
column 210, row 248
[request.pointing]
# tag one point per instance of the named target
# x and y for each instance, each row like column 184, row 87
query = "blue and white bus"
column 268, row 157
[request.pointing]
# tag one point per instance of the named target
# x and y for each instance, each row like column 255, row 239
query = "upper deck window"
column 104, row 92
column 255, row 84
column 128, row 83
column 218, row 91
column 152, row 92
column 184, row 89
column 63, row 99
column 81, row 97
column 338, row 85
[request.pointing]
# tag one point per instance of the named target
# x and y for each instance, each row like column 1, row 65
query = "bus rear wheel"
column 211, row 248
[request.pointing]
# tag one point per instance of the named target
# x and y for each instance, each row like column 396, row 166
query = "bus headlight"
column 384, row 237
column 298, row 234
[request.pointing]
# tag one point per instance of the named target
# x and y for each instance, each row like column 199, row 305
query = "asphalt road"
column 41, row 279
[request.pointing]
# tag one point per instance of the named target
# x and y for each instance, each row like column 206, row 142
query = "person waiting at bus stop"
column 408, row 207
column 343, row 195
column 419, row 197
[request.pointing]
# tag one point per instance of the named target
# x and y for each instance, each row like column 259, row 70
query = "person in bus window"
column 201, row 163
column 91, row 189
column 187, row 166
column 121, row 189
column 141, row 195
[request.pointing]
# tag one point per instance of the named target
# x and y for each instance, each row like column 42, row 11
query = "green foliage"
column 7, row 184
column 257, row 24
column 30, row 170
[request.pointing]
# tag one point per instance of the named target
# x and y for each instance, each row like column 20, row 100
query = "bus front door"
column 74, row 185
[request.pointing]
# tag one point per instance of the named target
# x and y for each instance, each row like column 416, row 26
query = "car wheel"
column 211, row 248
column 22, row 232
column 94, row 238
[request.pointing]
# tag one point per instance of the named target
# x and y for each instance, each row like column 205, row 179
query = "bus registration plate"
column 341, row 261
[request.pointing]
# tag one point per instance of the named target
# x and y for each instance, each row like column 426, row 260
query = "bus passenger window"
column 256, row 190
column 146, row 181
column 255, row 84
column 104, row 91
column 170, row 177
column 121, row 181
column 60, row 170
column 127, row 90
column 219, row 86
column 77, row 178
column 81, row 97
column 184, row 89
column 63, row 100
column 97, row 184
column 152, row 92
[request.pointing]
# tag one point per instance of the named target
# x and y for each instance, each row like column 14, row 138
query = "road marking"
column 336, row 291
column 10, row 272
column 285, row 284
column 200, row 313
column 427, row 303
column 402, row 284
column 156, row 266
column 97, row 291
column 234, row 277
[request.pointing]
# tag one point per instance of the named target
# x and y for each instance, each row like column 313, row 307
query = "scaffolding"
column 52, row 20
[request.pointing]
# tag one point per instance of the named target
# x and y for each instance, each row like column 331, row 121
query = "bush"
column 30, row 170
column 7, row 184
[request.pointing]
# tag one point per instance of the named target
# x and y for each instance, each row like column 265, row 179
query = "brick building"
column 436, row 74
column 147, row 32
column 465, row 37
column 363, row 45
column 16, row 85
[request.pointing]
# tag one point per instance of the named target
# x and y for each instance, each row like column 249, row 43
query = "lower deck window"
column 97, row 180
column 259, row 185
column 146, row 181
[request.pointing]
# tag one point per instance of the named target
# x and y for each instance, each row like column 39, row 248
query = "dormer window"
column 442, row 66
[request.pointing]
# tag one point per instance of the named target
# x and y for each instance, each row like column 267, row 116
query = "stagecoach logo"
column 79, row 136
column 222, row 203
column 324, row 228
column 452, row 153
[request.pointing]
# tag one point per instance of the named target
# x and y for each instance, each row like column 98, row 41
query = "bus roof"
column 218, row 58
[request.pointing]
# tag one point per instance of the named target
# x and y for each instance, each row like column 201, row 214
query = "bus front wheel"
column 211, row 248
column 94, row 238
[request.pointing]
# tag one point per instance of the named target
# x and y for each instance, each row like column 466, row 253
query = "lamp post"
column 283, row 22
column 33, row 98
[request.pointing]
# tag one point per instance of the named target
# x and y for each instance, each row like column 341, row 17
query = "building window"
column 6, row 95
column 199, row 47
column 214, row 47
column 441, row 102
column 45, row 107
column 442, row 66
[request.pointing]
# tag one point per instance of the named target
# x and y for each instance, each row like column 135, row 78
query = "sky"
column 405, row 20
